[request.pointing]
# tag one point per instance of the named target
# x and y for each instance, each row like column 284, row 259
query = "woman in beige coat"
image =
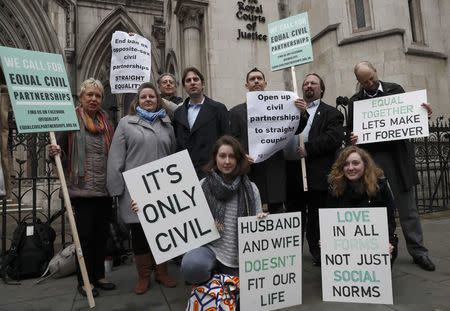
column 144, row 135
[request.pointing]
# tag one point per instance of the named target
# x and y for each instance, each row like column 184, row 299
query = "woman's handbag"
column 220, row 293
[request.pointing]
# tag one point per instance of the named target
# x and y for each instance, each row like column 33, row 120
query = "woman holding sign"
column 356, row 181
column 230, row 194
column 144, row 135
column 85, row 154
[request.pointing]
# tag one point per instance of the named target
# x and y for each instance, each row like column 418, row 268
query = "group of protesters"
column 160, row 123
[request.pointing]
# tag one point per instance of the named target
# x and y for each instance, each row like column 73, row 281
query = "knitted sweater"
column 226, row 247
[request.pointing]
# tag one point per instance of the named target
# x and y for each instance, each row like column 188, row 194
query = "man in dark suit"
column 323, row 132
column 269, row 176
column 396, row 158
column 199, row 121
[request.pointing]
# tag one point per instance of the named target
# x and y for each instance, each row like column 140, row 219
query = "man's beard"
column 309, row 94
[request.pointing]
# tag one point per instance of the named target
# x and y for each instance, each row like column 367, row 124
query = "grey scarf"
column 218, row 193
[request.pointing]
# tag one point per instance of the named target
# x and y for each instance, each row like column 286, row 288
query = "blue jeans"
column 198, row 266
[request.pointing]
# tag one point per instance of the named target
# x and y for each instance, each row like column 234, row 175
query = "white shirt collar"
column 380, row 89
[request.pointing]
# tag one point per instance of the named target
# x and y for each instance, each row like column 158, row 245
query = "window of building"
column 415, row 17
column 360, row 15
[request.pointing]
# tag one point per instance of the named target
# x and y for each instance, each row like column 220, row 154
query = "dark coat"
column 270, row 175
column 383, row 198
column 324, row 140
column 212, row 122
column 403, row 174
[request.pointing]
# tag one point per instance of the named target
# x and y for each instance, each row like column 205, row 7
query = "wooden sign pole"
column 76, row 239
column 300, row 136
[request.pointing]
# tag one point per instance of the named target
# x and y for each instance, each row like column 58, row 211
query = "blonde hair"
column 91, row 82
column 369, row 180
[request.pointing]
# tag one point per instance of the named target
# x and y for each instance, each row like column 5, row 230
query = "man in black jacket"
column 396, row 158
column 199, row 121
column 323, row 132
column 269, row 175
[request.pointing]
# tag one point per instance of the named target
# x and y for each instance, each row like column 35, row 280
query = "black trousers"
column 308, row 203
column 92, row 216
column 138, row 240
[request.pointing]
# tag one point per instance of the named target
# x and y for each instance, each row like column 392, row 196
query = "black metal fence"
column 432, row 163
column 36, row 187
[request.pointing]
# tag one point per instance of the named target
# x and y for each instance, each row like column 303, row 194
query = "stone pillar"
column 159, row 33
column 190, row 17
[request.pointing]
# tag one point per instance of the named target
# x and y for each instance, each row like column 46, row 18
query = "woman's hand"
column 261, row 215
column 391, row 249
column 53, row 150
column 353, row 138
column 428, row 108
column 249, row 159
column 134, row 206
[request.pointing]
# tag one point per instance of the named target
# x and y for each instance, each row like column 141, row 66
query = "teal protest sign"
column 39, row 91
column 290, row 42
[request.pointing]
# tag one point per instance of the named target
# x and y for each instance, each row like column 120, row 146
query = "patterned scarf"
column 218, row 193
column 98, row 124
column 149, row 115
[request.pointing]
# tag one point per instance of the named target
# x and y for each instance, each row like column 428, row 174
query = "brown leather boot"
column 144, row 266
column 162, row 276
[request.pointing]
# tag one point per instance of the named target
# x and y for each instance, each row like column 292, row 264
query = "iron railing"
column 36, row 187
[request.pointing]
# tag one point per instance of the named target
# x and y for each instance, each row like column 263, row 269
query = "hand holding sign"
column 171, row 205
column 356, row 264
column 270, row 261
column 386, row 118
column 272, row 121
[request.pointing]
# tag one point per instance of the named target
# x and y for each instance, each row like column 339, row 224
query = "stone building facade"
column 406, row 40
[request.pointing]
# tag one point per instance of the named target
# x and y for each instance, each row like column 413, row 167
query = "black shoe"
column 83, row 292
column 105, row 285
column 425, row 263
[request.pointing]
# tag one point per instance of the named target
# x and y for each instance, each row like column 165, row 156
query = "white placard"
column 270, row 261
column 393, row 117
column 272, row 120
column 355, row 258
column 173, row 210
column 30, row 230
column 130, row 62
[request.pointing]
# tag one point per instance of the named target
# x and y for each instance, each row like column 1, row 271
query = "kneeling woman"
column 230, row 194
column 356, row 181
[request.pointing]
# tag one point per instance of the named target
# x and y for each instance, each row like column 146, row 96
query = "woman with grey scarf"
column 230, row 194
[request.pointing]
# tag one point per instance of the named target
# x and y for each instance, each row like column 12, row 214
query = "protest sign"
column 270, row 261
column 290, row 42
column 130, row 62
column 39, row 91
column 393, row 117
column 355, row 258
column 173, row 210
column 272, row 120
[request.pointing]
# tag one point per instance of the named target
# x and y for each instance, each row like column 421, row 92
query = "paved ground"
column 414, row 289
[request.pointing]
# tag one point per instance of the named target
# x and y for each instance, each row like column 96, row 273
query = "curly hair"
column 338, row 182
column 242, row 164
column 135, row 102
